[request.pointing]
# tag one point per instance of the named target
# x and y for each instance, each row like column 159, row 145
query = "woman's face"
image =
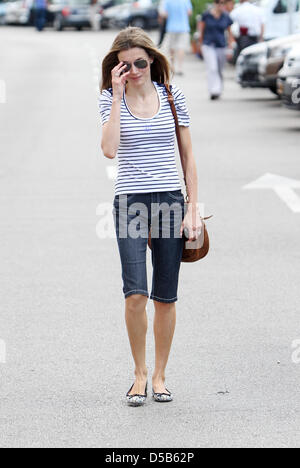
column 138, row 76
column 220, row 6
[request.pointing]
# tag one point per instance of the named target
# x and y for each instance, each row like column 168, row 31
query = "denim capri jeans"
column 134, row 215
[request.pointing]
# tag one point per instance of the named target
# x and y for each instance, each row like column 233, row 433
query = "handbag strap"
column 179, row 141
column 174, row 112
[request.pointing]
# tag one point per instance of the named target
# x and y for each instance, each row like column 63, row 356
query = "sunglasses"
column 141, row 64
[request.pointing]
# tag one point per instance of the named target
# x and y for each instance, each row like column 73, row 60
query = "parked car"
column 19, row 12
column 277, row 52
column 258, row 65
column 140, row 13
column 107, row 3
column 249, row 64
column 288, row 82
column 22, row 12
column 277, row 18
column 72, row 13
column 3, row 6
column 109, row 13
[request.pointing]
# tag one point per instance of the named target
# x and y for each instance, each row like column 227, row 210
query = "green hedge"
column 199, row 6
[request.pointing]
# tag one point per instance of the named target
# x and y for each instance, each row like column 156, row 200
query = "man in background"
column 40, row 14
column 229, row 6
column 162, row 19
column 94, row 15
column 177, row 13
column 250, row 20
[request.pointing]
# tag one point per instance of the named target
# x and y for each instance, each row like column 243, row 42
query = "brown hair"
column 126, row 40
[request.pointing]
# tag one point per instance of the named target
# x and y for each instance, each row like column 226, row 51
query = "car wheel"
column 57, row 24
column 274, row 90
column 79, row 28
column 104, row 24
column 138, row 23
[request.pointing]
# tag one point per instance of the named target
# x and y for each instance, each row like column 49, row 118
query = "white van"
column 277, row 17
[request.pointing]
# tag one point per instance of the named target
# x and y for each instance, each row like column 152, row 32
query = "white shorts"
column 178, row 41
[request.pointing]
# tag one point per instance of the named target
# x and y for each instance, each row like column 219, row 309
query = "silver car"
column 288, row 82
column 19, row 12
column 250, row 63
column 3, row 6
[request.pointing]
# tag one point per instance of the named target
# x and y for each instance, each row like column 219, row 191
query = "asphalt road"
column 68, row 364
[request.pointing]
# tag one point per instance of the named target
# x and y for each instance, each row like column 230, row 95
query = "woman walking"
column 213, row 26
column 139, row 128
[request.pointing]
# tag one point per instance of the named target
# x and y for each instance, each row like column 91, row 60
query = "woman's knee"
column 164, row 306
column 136, row 302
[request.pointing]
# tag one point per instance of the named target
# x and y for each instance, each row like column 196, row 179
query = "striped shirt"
column 146, row 155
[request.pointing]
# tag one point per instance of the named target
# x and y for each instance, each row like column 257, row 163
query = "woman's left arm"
column 192, row 220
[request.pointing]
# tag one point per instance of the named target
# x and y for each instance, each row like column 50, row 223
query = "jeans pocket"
column 176, row 195
column 130, row 198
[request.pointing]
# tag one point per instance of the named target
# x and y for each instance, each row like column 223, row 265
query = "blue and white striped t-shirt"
column 146, row 155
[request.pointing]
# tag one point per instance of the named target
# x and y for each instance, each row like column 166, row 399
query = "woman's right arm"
column 201, row 33
column 111, row 129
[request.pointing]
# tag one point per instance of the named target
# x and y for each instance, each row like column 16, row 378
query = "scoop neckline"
column 144, row 118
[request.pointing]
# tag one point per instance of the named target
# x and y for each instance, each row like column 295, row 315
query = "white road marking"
column 95, row 64
column 283, row 186
column 112, row 172
column 2, row 352
column 2, row 92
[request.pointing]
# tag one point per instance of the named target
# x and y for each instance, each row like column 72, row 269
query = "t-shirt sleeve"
column 164, row 6
column 181, row 107
column 204, row 16
column 105, row 103
column 229, row 21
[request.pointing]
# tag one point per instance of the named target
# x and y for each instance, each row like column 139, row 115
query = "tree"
column 199, row 6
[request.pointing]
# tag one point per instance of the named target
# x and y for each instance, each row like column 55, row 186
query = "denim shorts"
column 134, row 215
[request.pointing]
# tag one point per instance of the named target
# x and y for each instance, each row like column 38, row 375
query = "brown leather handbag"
column 193, row 251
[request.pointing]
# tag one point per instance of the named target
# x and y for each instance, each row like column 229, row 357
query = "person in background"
column 40, row 14
column 162, row 24
column 177, row 13
column 250, row 20
column 231, row 52
column 214, row 24
column 94, row 15
column 229, row 6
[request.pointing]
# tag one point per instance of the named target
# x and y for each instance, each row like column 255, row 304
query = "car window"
column 262, row 3
column 69, row 2
column 78, row 2
column 120, row 2
column 283, row 6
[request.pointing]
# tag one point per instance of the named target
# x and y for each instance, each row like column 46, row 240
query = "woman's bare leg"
column 137, row 324
column 164, row 328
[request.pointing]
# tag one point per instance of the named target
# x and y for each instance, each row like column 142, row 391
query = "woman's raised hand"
column 119, row 80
